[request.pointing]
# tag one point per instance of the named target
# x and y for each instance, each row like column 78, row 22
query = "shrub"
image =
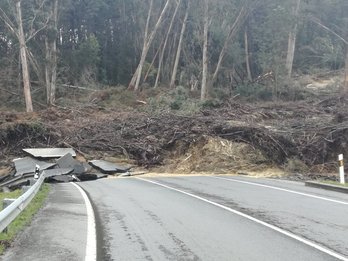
column 212, row 103
column 255, row 91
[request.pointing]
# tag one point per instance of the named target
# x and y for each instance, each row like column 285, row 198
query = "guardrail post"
column 5, row 203
column 341, row 168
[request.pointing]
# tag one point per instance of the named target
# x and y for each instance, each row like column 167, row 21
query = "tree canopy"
column 162, row 43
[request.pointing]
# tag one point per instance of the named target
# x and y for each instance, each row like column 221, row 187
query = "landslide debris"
column 309, row 132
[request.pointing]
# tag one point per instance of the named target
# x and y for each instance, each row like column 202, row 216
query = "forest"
column 214, row 48
column 189, row 85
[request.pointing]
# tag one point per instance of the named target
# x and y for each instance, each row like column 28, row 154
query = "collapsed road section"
column 57, row 165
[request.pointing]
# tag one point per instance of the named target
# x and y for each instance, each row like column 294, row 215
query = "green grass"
column 335, row 183
column 24, row 218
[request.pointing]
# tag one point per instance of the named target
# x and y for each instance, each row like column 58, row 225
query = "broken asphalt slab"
column 67, row 161
column 9, row 182
column 101, row 176
column 27, row 165
column 73, row 178
column 60, row 179
column 109, row 167
column 20, row 183
column 50, row 152
column 87, row 177
column 65, row 169
column 13, row 180
column 57, row 172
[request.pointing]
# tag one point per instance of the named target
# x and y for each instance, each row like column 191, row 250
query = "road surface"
column 58, row 231
column 217, row 218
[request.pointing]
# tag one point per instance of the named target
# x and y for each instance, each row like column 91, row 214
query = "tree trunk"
column 292, row 42
column 178, row 52
column 135, row 75
column 152, row 63
column 204, row 88
column 346, row 72
column 165, row 44
column 141, row 65
column 54, row 55
column 247, row 56
column 234, row 29
column 47, row 71
column 147, row 43
column 24, row 59
column 51, row 59
column 54, row 73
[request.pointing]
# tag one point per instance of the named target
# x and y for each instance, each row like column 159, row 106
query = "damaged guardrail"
column 13, row 210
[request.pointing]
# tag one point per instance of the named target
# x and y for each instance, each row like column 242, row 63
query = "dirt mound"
column 214, row 155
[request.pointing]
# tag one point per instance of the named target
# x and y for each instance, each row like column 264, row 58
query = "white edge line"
column 91, row 244
column 281, row 189
column 282, row 231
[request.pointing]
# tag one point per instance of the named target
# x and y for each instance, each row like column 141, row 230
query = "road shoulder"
column 58, row 232
column 325, row 186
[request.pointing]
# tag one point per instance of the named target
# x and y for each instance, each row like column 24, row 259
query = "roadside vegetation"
column 6, row 238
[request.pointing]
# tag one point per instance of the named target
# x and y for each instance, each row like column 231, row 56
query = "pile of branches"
column 142, row 138
column 314, row 131
column 321, row 144
column 311, row 132
column 18, row 135
column 147, row 139
column 275, row 147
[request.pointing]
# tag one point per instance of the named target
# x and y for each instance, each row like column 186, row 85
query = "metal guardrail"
column 12, row 211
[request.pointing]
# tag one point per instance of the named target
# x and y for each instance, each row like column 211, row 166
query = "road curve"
column 168, row 220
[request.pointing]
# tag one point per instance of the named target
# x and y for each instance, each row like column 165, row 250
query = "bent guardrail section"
column 12, row 211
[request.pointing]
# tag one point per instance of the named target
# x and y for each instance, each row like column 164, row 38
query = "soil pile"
column 214, row 155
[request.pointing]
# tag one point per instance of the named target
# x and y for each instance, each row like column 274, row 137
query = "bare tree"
column 207, row 21
column 17, row 30
column 346, row 71
column 51, row 57
column 320, row 24
column 247, row 55
column 148, row 38
column 233, row 30
column 292, row 40
column 165, row 43
column 24, row 59
column 240, row 19
column 178, row 51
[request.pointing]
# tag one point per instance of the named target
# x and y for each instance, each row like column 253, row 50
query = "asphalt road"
column 217, row 218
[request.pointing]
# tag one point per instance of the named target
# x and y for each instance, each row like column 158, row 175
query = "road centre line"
column 91, row 244
column 277, row 229
column 282, row 189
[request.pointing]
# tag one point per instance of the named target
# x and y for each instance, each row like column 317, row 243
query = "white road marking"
column 91, row 245
column 281, row 189
column 277, row 229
